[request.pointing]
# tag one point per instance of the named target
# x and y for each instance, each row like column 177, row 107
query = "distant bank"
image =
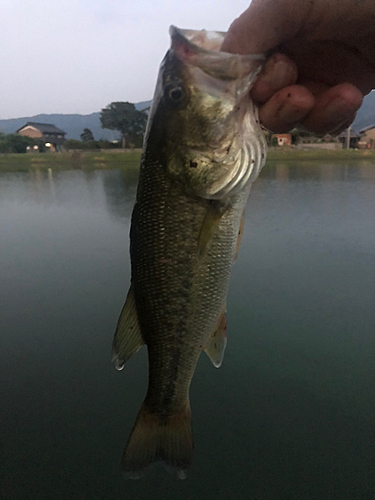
column 130, row 159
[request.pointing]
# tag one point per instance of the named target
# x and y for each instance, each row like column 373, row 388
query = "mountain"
column 73, row 125
column 366, row 114
column 142, row 105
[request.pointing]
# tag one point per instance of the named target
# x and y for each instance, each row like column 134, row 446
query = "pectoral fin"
column 128, row 338
column 209, row 227
column 216, row 344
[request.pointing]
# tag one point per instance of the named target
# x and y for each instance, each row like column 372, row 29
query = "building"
column 54, row 137
column 367, row 140
column 349, row 137
column 283, row 139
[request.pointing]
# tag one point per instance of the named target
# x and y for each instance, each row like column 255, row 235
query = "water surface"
column 291, row 412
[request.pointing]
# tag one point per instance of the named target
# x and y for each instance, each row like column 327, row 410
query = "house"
column 283, row 139
column 53, row 136
column 350, row 136
column 367, row 140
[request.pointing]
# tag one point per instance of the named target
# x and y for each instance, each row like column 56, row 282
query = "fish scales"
column 203, row 149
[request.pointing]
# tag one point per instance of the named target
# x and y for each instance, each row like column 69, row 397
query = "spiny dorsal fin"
column 216, row 344
column 128, row 338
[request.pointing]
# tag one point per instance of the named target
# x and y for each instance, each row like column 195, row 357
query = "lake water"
column 290, row 415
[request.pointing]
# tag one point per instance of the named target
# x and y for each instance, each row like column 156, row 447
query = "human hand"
column 322, row 62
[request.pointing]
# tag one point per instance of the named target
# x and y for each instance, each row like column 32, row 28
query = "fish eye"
column 175, row 93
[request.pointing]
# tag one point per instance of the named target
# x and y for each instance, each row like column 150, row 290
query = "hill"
column 73, row 124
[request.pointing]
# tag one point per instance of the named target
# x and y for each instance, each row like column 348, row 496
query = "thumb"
column 265, row 25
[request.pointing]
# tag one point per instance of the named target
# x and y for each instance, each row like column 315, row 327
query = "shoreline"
column 107, row 159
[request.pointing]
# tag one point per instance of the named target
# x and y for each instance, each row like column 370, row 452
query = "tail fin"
column 153, row 438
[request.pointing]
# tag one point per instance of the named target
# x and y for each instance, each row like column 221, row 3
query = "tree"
column 14, row 143
column 87, row 135
column 123, row 116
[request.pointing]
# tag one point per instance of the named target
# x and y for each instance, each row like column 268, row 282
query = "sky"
column 77, row 56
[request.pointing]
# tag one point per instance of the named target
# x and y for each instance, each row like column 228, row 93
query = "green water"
column 290, row 415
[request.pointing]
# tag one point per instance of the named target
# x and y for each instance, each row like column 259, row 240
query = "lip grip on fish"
column 202, row 48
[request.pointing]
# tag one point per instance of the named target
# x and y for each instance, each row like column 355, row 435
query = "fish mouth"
column 201, row 48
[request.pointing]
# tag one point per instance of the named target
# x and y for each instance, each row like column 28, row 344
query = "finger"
column 278, row 72
column 286, row 108
column 333, row 108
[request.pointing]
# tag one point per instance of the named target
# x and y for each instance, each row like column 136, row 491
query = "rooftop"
column 45, row 128
column 366, row 128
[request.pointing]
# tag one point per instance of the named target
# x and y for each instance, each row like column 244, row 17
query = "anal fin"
column 128, row 338
column 216, row 344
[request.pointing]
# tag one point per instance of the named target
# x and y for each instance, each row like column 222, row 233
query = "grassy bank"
column 71, row 160
column 130, row 159
column 289, row 154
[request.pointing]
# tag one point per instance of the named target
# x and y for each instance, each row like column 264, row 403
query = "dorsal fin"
column 128, row 338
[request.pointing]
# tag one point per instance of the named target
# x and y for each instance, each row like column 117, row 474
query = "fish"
column 203, row 149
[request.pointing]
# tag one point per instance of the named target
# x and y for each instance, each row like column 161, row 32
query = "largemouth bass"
column 203, row 149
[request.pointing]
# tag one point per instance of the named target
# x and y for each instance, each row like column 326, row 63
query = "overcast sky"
column 77, row 56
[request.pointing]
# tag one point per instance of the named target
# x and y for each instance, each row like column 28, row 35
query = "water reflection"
column 291, row 412
column 120, row 190
column 116, row 188
column 319, row 171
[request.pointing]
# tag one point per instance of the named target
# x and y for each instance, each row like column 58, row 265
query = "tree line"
column 14, row 143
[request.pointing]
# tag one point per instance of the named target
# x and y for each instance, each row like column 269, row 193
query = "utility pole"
column 348, row 130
